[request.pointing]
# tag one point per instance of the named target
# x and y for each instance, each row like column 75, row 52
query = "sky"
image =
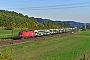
column 70, row 10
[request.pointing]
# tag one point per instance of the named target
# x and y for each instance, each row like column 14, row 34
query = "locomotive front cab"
column 20, row 35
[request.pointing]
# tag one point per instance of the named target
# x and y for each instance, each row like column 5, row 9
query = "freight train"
column 44, row 32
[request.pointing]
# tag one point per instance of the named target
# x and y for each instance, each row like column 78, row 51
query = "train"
column 26, row 34
column 44, row 32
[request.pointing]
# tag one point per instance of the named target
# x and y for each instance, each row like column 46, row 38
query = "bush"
column 83, row 29
column 5, row 55
column 9, row 28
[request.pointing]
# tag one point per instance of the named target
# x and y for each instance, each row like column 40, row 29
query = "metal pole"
column 12, row 35
column 12, row 32
column 44, row 25
column 85, row 25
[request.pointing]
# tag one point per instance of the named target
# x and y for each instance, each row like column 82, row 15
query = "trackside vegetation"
column 70, row 47
column 7, row 34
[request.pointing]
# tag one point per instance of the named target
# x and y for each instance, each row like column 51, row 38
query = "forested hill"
column 9, row 18
column 18, row 20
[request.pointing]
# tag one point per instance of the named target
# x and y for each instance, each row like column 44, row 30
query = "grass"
column 5, row 34
column 70, row 47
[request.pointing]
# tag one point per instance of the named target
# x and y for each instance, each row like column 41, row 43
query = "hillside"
column 11, row 19
column 72, row 23
column 42, row 20
column 18, row 20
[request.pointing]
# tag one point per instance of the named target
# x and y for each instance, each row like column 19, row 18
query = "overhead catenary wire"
column 63, row 6
column 19, row 1
column 72, row 4
column 5, row 1
column 67, row 7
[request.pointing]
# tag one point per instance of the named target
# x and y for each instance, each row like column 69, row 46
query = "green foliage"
column 65, row 25
column 83, row 29
column 69, row 47
column 88, row 26
column 5, row 55
column 9, row 28
column 18, row 20
column 7, row 34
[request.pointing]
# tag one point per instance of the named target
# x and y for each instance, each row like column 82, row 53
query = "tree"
column 65, row 25
column 23, row 21
column 88, row 26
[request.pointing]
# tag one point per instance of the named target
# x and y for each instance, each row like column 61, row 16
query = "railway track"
column 19, row 41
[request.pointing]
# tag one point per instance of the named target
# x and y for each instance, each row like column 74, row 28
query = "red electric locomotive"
column 25, row 34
